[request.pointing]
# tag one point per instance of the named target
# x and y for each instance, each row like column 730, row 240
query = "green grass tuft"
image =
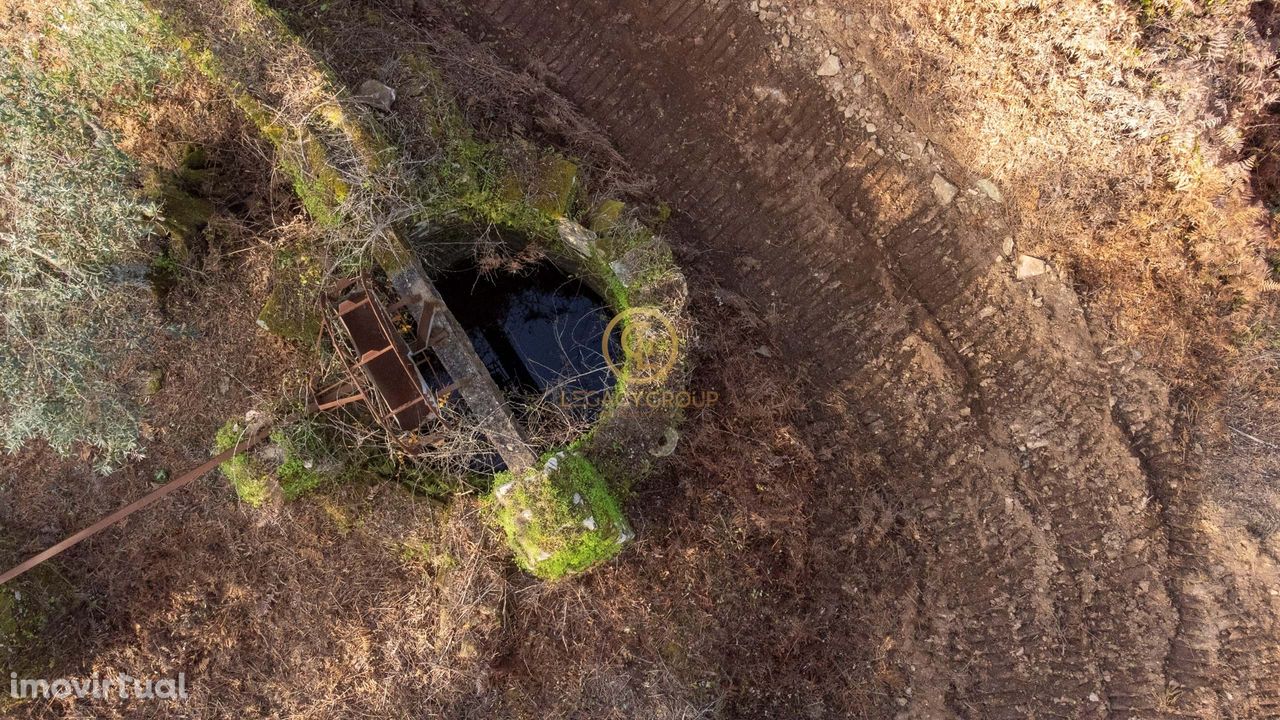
column 309, row 463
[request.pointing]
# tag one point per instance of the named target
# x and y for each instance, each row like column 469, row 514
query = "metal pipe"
column 124, row 512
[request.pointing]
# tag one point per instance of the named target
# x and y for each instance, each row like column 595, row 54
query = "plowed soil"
column 1045, row 505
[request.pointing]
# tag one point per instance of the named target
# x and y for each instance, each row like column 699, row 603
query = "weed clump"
column 292, row 312
column 308, row 461
column 561, row 519
column 300, row 458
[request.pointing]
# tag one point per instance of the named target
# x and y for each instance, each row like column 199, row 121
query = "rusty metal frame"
column 362, row 381
column 361, row 386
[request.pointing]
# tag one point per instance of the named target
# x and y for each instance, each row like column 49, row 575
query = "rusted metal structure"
column 381, row 366
column 486, row 406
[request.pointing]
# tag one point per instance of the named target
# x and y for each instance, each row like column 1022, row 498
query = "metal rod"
column 340, row 402
column 124, row 512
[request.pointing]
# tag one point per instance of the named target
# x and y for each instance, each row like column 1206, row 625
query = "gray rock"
column 829, row 67
column 375, row 94
column 990, row 189
column 578, row 238
column 943, row 189
column 631, row 265
column 1029, row 267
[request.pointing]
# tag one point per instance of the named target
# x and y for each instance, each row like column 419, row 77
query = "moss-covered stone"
column 285, row 317
column 319, row 186
column 552, row 184
column 155, row 382
column 184, row 212
column 606, row 216
column 292, row 311
column 560, row 519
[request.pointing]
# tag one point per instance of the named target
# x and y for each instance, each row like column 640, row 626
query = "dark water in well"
column 538, row 332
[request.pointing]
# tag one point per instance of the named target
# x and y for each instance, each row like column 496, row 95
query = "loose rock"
column 989, row 188
column 943, row 189
column 829, row 67
column 376, row 94
column 1029, row 267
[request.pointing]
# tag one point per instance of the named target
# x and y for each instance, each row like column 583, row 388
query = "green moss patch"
column 309, row 460
column 184, row 212
column 606, row 216
column 300, row 457
column 250, row 476
column 552, row 187
column 561, row 519
column 292, row 311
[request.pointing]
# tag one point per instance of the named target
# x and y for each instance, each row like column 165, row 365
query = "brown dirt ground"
column 928, row 490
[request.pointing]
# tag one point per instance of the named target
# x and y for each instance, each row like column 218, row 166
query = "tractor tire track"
column 1063, row 576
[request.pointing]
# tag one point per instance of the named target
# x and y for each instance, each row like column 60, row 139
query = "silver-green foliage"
column 73, row 297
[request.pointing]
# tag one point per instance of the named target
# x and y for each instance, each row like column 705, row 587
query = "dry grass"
column 363, row 602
